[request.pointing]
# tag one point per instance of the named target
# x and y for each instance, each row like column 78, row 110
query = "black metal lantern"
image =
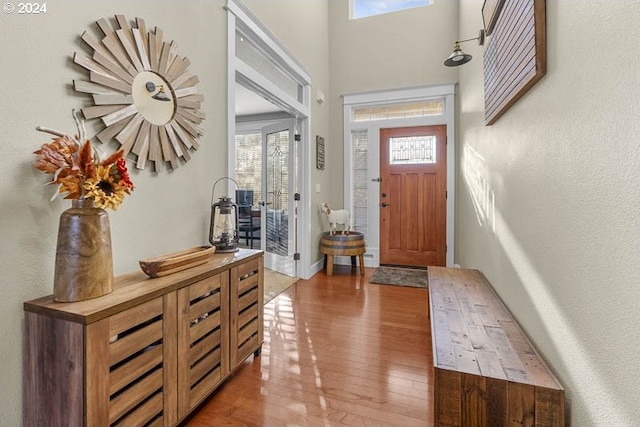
column 223, row 228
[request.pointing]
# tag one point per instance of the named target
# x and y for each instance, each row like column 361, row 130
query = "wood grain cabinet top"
column 135, row 288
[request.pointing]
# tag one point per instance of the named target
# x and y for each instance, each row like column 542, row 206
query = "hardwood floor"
column 337, row 351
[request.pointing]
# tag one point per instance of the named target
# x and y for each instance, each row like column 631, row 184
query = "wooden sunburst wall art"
column 143, row 93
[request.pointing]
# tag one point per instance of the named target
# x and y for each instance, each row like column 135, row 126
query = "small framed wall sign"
column 319, row 152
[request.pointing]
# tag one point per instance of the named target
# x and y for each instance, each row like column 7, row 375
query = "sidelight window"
column 359, row 144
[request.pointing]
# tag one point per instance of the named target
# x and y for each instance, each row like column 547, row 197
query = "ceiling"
column 249, row 103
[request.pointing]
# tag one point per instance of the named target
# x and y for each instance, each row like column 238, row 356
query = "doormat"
column 412, row 277
column 276, row 283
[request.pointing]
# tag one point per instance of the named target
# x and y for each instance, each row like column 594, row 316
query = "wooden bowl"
column 177, row 261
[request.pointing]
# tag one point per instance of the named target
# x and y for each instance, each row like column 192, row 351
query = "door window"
column 278, row 192
column 408, row 150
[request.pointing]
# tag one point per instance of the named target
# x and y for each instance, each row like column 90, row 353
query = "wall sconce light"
column 160, row 95
column 458, row 57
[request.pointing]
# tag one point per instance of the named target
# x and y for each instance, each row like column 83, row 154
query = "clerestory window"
column 364, row 8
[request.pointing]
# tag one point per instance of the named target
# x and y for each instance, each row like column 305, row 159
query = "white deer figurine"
column 335, row 217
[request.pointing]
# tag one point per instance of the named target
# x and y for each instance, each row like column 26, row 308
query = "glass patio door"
column 279, row 178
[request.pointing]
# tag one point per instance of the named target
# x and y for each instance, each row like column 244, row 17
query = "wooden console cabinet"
column 146, row 354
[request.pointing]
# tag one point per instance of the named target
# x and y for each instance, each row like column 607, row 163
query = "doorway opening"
column 278, row 91
column 266, row 169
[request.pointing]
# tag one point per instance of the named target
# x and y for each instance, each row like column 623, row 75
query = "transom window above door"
column 365, row 8
column 431, row 107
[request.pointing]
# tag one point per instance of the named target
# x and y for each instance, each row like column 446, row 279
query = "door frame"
column 239, row 18
column 419, row 93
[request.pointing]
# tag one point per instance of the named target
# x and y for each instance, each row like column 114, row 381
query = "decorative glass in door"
column 279, row 172
column 277, row 192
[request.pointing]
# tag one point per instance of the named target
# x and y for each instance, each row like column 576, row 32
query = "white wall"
column 400, row 49
column 167, row 212
column 548, row 202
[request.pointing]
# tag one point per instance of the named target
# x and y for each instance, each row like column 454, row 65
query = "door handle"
column 384, row 204
column 264, row 203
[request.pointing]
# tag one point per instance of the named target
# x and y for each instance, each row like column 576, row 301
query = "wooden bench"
column 486, row 371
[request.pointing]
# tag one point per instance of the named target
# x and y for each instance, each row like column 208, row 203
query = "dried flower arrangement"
column 79, row 171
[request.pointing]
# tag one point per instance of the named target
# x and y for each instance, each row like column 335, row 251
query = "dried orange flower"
column 78, row 171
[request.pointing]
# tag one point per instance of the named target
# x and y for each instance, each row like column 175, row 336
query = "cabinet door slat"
column 248, row 283
column 205, row 305
column 247, row 348
column 135, row 316
column 248, row 268
column 128, row 372
column 145, row 413
column 201, row 328
column 248, row 330
column 248, row 315
column 134, row 342
column 135, row 394
column 247, row 299
column 205, row 365
column 204, row 387
column 204, row 346
column 200, row 288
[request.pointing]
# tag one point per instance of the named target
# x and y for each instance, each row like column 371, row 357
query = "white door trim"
column 240, row 18
column 363, row 99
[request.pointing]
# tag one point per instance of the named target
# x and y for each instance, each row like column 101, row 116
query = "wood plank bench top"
column 481, row 353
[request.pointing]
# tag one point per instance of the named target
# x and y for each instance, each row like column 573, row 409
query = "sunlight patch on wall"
column 476, row 175
column 578, row 366
column 587, row 380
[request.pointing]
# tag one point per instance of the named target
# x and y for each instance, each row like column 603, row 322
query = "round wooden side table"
column 339, row 244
